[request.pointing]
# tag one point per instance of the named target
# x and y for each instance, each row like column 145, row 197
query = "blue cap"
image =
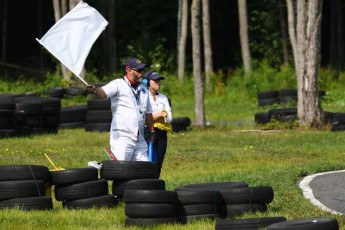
column 155, row 76
column 135, row 63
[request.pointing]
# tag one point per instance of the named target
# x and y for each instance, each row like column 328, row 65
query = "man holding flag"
column 131, row 108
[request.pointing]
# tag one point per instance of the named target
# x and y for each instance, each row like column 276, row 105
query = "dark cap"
column 135, row 63
column 155, row 76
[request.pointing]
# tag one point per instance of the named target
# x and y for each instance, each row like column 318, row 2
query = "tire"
column 73, row 114
column 99, row 104
column 83, row 190
column 119, row 186
column 99, row 116
column 149, row 196
column 261, row 118
column 150, row 210
column 232, row 210
column 248, row 223
column 307, row 224
column 248, row 195
column 24, row 172
column 197, row 209
column 74, row 176
column 76, row 91
column 268, row 97
column 21, row 189
column 106, row 201
column 212, row 186
column 186, row 197
column 284, row 114
column 28, row 204
column 128, row 170
column 288, row 95
column 180, row 124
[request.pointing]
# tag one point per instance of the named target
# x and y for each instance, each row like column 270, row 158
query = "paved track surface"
column 326, row 191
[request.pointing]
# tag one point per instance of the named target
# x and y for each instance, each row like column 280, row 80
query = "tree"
column 198, row 85
column 207, row 41
column 242, row 13
column 182, row 40
column 292, row 29
column 308, row 53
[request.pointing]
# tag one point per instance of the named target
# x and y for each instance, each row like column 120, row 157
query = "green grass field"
column 235, row 149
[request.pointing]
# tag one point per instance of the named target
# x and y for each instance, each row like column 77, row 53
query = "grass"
column 228, row 151
column 278, row 159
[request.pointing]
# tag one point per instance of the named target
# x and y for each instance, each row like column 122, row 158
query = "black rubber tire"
column 186, row 197
column 99, row 104
column 83, row 190
column 180, row 124
column 307, row 224
column 261, row 118
column 248, row 195
column 76, row 91
column 282, row 114
column 128, row 170
column 75, row 113
column 74, row 176
column 146, row 222
column 72, row 125
column 212, row 186
column 150, row 210
column 149, row 196
column 24, row 172
column 119, row 186
column 106, row 201
column 248, row 223
column 99, row 116
column 232, row 210
column 21, row 189
column 197, row 209
column 28, row 204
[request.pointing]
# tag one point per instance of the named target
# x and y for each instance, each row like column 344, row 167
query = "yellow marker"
column 51, row 162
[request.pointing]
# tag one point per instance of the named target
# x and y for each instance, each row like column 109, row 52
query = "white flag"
column 71, row 38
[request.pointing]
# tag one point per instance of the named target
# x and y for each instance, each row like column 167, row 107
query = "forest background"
column 149, row 30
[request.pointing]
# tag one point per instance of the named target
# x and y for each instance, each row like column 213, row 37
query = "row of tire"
column 336, row 120
column 26, row 115
column 146, row 201
column 271, row 97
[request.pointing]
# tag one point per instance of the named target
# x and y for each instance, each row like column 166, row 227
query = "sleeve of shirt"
column 111, row 88
column 148, row 107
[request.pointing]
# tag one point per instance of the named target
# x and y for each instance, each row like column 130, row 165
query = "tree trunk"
column 333, row 36
column 292, row 30
column 308, row 52
column 340, row 35
column 198, row 88
column 3, row 17
column 183, row 40
column 242, row 13
column 207, row 42
column 283, row 29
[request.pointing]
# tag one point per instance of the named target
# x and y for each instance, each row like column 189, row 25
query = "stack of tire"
column 56, row 92
column 131, row 175
column 73, row 91
column 29, row 115
column 195, row 204
column 237, row 201
column 269, row 97
column 51, row 114
column 72, row 117
column 80, row 188
column 338, row 122
column 180, row 124
column 24, row 187
column 203, row 200
column 150, row 207
column 98, row 116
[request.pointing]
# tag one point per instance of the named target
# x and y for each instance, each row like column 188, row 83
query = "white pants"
column 126, row 149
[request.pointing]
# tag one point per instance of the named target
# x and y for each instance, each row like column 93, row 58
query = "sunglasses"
column 139, row 70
